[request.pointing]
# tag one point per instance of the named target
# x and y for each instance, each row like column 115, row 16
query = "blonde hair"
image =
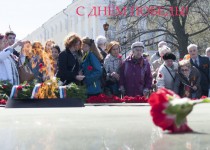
column 37, row 48
column 184, row 62
column 111, row 44
column 93, row 47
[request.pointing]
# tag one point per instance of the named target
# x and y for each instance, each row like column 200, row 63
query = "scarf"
column 15, row 74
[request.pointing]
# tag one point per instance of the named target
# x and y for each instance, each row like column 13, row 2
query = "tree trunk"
column 183, row 43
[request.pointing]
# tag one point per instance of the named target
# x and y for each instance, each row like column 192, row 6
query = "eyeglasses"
column 184, row 70
column 1, row 37
column 13, row 38
column 138, row 50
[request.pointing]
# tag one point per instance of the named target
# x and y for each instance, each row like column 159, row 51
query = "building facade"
column 70, row 20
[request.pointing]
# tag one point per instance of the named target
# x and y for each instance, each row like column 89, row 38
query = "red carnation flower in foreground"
column 162, row 115
column 90, row 68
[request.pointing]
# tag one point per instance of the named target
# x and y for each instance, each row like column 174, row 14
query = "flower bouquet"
column 40, row 95
column 3, row 99
column 169, row 111
column 136, row 99
column 75, row 91
column 5, row 89
column 102, row 98
column 22, row 91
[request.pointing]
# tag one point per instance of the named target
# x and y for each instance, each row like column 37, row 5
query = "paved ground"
column 97, row 128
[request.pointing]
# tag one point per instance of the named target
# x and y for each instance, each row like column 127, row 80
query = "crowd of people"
column 99, row 65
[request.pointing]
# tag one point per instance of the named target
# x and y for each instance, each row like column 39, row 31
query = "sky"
column 25, row 16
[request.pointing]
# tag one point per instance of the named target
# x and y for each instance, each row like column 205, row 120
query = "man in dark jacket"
column 202, row 64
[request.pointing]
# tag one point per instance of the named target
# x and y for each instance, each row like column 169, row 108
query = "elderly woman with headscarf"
column 167, row 73
column 157, row 63
column 135, row 73
column 112, row 64
column 91, row 67
column 156, row 55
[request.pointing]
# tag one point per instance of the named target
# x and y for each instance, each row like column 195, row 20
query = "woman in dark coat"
column 189, row 80
column 68, row 63
column 135, row 73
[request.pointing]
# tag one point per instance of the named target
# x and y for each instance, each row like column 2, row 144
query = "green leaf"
column 180, row 119
column 207, row 100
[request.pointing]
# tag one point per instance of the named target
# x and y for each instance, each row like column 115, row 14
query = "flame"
column 46, row 63
column 41, row 56
column 47, row 89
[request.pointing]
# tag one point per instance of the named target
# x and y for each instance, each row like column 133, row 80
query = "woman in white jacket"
column 8, row 69
column 167, row 73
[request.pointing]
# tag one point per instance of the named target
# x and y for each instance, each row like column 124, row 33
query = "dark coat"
column 135, row 76
column 103, row 53
column 68, row 67
column 203, row 68
column 184, row 85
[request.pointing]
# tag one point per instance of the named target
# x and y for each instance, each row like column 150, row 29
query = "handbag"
column 25, row 73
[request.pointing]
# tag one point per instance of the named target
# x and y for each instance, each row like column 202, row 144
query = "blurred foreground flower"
column 169, row 111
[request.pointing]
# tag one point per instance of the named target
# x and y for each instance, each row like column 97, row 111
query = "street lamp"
column 106, row 28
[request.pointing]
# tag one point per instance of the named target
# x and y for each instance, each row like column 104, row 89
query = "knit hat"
column 137, row 44
column 169, row 56
column 161, row 43
column 87, row 41
column 111, row 44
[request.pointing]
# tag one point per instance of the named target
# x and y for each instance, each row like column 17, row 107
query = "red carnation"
column 155, row 81
column 203, row 97
column 90, row 68
column 160, row 75
column 40, row 65
column 119, row 56
column 3, row 101
column 159, row 102
column 19, row 88
column 4, row 86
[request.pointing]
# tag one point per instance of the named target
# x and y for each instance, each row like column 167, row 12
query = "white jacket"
column 164, row 78
column 8, row 70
